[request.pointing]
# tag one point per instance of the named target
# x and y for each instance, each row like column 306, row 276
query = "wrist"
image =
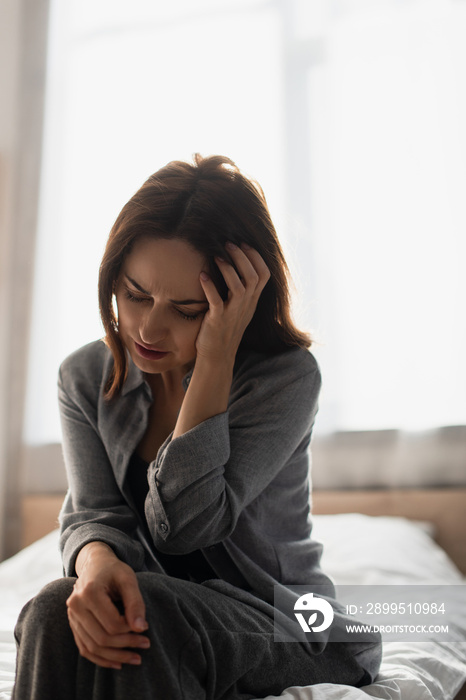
column 212, row 378
column 207, row 394
column 222, row 366
column 93, row 553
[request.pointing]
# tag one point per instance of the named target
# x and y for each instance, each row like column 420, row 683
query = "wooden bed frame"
column 445, row 507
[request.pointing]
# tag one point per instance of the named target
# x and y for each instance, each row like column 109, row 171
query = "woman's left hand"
column 224, row 324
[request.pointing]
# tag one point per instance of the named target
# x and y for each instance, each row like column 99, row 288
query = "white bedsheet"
column 380, row 550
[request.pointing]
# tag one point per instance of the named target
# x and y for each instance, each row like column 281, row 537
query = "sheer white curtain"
column 388, row 162
column 349, row 113
column 384, row 240
column 23, row 32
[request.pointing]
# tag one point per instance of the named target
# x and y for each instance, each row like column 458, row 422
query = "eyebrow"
column 187, row 302
column 180, row 302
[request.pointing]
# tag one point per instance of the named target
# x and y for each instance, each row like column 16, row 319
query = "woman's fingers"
column 210, row 290
column 94, row 642
column 107, row 651
column 133, row 603
column 224, row 324
column 95, row 600
column 258, row 263
column 253, row 272
column 122, row 586
column 245, row 283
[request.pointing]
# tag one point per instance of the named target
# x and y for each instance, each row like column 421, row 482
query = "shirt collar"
column 134, row 378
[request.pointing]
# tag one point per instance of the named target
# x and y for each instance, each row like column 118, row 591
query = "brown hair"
column 205, row 204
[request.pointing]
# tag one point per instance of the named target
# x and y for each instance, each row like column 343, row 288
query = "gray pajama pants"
column 208, row 641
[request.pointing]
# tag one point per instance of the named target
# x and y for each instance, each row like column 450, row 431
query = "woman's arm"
column 202, row 481
column 94, row 508
column 220, row 335
column 97, row 537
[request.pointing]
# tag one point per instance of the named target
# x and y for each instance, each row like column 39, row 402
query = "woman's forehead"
column 171, row 266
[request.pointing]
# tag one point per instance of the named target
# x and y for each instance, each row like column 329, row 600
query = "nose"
column 153, row 328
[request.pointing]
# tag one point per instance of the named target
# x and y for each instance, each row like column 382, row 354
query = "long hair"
column 205, row 204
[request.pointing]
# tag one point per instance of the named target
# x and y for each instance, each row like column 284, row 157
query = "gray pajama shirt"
column 236, row 486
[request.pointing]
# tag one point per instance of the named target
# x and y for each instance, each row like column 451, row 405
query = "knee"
column 48, row 606
column 150, row 582
column 156, row 590
column 54, row 595
column 370, row 659
column 166, row 598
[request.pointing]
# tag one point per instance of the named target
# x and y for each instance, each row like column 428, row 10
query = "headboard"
column 444, row 507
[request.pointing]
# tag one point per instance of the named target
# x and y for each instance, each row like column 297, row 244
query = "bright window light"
column 349, row 114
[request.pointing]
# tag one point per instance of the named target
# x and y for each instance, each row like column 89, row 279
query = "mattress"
column 358, row 550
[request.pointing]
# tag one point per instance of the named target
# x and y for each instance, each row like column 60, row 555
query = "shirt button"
column 163, row 527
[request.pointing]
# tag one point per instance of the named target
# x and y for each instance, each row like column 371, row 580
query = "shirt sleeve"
column 94, row 509
column 201, row 481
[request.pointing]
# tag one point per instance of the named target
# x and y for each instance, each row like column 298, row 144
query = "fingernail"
column 217, row 257
column 204, row 276
column 145, row 644
column 140, row 624
column 246, row 246
column 135, row 661
column 230, row 246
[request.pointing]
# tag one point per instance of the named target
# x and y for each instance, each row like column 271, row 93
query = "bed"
column 391, row 537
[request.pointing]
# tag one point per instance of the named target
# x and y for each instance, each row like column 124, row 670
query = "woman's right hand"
column 102, row 634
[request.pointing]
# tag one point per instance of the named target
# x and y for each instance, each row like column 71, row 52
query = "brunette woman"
column 186, row 438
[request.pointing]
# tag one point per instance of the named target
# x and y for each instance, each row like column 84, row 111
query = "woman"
column 186, row 442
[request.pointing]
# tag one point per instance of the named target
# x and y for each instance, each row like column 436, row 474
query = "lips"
column 149, row 353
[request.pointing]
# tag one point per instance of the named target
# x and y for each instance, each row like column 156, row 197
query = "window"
column 348, row 113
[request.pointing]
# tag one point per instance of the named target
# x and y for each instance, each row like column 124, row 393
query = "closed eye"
column 179, row 312
column 133, row 297
column 188, row 317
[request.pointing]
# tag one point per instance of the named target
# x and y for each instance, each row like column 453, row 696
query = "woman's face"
column 161, row 304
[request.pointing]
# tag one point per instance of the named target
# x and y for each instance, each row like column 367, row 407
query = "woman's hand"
column 220, row 335
column 102, row 634
column 224, row 324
